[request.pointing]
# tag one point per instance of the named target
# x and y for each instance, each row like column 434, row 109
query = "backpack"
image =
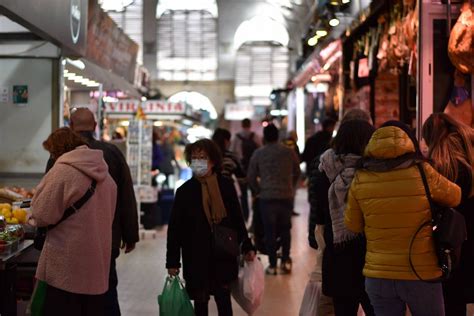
column 248, row 147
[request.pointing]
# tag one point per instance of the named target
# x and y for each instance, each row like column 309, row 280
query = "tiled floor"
column 142, row 274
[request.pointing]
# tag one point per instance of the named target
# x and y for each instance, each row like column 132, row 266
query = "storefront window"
column 443, row 68
column 260, row 67
column 187, row 45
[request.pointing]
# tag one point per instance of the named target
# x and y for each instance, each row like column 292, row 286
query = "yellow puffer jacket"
column 390, row 207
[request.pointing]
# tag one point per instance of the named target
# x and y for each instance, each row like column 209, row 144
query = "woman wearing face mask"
column 206, row 199
column 452, row 154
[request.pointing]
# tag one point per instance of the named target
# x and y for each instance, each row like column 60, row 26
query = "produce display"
column 16, row 216
column 10, row 238
column 25, row 193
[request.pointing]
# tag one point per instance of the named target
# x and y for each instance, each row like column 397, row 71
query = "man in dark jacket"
column 317, row 144
column 125, row 224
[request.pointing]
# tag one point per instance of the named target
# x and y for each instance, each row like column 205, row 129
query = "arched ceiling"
column 289, row 14
column 232, row 13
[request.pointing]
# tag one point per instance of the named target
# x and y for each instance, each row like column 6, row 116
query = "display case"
column 139, row 151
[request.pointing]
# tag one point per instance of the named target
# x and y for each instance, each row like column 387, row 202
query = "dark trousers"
column 454, row 303
column 112, row 307
column 223, row 302
column 276, row 217
column 244, row 200
column 349, row 305
column 59, row 303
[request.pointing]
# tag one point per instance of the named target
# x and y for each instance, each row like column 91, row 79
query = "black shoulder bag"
column 449, row 233
column 41, row 232
column 225, row 241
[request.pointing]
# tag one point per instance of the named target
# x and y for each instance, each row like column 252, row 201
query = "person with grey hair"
column 357, row 114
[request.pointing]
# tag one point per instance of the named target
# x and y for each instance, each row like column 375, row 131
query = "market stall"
column 446, row 60
column 169, row 123
column 17, row 256
column 379, row 61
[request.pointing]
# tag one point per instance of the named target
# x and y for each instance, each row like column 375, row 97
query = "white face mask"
column 199, row 167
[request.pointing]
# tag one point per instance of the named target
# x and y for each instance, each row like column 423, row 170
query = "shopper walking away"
column 231, row 167
column 166, row 166
column 125, row 225
column 206, row 200
column 387, row 201
column 277, row 169
column 317, row 144
column 244, row 145
column 344, row 252
column 291, row 142
column 315, row 192
column 75, row 259
column 451, row 150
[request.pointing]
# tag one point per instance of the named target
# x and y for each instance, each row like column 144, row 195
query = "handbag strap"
column 427, row 190
column 427, row 223
column 76, row 206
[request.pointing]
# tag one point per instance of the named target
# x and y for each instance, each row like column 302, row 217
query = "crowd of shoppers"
column 367, row 200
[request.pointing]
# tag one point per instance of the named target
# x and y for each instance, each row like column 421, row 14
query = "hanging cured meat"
column 461, row 44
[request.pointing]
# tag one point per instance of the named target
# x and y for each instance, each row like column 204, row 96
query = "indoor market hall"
column 237, row 157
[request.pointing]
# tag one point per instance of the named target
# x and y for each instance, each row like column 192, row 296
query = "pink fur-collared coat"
column 76, row 254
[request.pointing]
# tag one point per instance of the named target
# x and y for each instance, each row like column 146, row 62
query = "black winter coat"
column 461, row 284
column 342, row 265
column 189, row 235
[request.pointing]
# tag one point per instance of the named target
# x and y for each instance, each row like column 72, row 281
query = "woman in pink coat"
column 75, row 259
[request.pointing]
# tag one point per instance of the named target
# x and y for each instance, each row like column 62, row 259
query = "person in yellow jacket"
column 387, row 202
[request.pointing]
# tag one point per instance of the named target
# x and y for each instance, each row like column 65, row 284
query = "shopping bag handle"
column 171, row 278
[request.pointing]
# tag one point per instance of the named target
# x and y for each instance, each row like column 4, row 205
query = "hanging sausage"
column 461, row 44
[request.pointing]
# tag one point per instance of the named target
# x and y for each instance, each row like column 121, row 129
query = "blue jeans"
column 390, row 297
column 276, row 218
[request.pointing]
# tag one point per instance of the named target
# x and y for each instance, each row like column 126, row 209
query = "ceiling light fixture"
column 321, row 33
column 334, row 21
column 76, row 63
column 313, row 41
column 346, row 1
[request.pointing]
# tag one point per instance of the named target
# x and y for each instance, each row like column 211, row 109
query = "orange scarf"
column 212, row 202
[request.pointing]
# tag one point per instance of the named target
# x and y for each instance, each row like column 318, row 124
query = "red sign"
column 149, row 107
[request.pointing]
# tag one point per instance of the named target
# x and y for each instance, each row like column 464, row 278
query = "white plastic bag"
column 248, row 289
column 315, row 303
column 311, row 299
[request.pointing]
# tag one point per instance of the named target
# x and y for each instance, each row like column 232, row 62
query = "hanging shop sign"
column 65, row 24
column 238, row 112
column 148, row 107
column 108, row 46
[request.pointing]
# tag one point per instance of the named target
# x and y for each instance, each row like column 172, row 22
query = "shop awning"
column 110, row 81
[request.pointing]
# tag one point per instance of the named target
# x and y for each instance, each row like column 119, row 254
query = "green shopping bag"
column 174, row 300
column 38, row 297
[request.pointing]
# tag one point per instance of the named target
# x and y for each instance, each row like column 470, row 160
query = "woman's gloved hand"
column 250, row 256
column 173, row 271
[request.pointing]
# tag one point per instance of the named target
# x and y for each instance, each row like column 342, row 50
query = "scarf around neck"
column 212, row 202
column 340, row 170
